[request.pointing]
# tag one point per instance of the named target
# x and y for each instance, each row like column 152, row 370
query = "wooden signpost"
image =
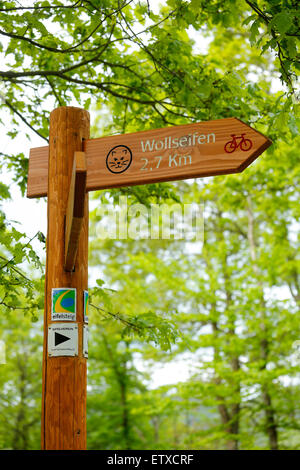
column 65, row 171
column 193, row 150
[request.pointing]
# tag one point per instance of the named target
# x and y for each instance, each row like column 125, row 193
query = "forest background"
column 224, row 315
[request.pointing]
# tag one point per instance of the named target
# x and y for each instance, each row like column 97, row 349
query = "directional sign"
column 63, row 340
column 173, row 153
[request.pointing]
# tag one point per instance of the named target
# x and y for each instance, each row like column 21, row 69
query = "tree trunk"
column 229, row 420
column 156, row 422
column 121, row 376
column 230, row 416
column 271, row 426
column 125, row 411
column 20, row 440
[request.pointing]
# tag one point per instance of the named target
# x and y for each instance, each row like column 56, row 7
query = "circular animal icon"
column 119, row 159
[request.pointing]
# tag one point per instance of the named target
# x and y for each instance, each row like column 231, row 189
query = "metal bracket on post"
column 75, row 210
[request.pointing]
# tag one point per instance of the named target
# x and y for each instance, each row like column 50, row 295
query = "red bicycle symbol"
column 232, row 145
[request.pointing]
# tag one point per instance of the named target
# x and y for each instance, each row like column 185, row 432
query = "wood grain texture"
column 64, row 378
column 168, row 154
column 75, row 209
column 37, row 183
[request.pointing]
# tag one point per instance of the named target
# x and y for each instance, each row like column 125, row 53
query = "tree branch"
column 10, row 106
column 69, row 49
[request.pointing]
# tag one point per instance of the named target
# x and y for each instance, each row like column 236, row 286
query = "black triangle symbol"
column 58, row 338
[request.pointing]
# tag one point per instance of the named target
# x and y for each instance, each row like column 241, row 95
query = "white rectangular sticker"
column 63, row 339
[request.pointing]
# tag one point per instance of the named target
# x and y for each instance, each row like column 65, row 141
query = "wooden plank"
column 193, row 150
column 181, row 152
column 75, row 209
column 64, row 378
column 37, row 183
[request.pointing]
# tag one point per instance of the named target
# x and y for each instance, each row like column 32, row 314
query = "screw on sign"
column 74, row 164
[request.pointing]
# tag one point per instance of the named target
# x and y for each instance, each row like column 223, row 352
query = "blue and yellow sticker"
column 86, row 306
column 63, row 304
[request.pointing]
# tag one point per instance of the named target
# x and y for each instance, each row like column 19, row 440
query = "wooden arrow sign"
column 173, row 153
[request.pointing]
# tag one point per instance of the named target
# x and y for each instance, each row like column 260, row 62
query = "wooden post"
column 64, row 378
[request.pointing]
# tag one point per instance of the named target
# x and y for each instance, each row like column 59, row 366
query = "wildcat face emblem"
column 119, row 159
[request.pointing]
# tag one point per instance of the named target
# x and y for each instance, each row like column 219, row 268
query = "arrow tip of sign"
column 255, row 130
column 266, row 143
column 255, row 154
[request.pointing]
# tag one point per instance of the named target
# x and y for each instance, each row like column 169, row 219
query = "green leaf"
column 254, row 31
column 248, row 19
column 282, row 22
column 292, row 47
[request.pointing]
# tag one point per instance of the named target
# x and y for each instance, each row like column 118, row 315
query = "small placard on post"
column 75, row 209
column 63, row 304
column 62, row 339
